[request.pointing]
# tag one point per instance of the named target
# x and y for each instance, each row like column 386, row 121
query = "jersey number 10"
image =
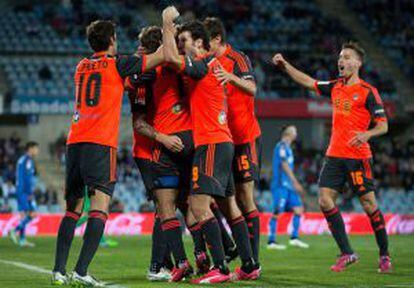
column 92, row 90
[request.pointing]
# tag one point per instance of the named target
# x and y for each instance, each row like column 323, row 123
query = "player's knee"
column 325, row 203
column 200, row 213
column 369, row 205
column 199, row 210
column 229, row 208
column 166, row 203
column 74, row 205
column 245, row 200
column 190, row 220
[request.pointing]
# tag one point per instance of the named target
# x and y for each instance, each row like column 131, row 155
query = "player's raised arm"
column 155, row 59
column 297, row 75
column 193, row 68
column 168, row 37
column 137, row 64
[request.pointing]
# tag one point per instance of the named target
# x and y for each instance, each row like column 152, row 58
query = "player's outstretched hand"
column 279, row 61
column 171, row 142
column 359, row 139
column 170, row 14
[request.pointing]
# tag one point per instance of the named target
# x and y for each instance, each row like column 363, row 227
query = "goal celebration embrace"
column 257, row 143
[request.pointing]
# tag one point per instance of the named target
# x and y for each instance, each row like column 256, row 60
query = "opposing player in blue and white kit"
column 286, row 189
column 25, row 184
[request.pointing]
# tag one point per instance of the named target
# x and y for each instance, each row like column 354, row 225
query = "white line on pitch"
column 26, row 266
column 400, row 285
column 43, row 271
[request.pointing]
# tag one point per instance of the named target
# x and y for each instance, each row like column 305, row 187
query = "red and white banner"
column 141, row 224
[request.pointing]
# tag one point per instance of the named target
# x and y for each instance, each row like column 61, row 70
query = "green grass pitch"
column 126, row 265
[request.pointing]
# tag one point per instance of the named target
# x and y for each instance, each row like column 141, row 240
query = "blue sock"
column 296, row 224
column 272, row 229
column 22, row 227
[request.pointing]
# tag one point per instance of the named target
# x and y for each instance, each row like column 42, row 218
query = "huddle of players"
column 192, row 101
column 187, row 113
column 216, row 85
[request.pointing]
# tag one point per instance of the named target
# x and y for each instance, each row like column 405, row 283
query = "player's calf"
column 64, row 240
column 229, row 246
column 245, row 200
column 200, row 207
column 378, row 224
column 240, row 232
column 93, row 233
column 66, row 232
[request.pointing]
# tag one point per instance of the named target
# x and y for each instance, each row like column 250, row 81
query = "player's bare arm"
column 298, row 187
column 297, row 75
column 168, row 37
column 224, row 77
column 171, row 142
column 360, row 138
column 155, row 59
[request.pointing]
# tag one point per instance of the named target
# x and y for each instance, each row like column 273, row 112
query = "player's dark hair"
column 215, row 27
column 150, row 38
column 197, row 31
column 356, row 47
column 30, row 145
column 99, row 34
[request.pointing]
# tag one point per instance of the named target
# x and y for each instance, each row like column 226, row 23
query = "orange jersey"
column 208, row 101
column 354, row 107
column 99, row 82
column 142, row 146
column 158, row 94
column 243, row 123
column 171, row 109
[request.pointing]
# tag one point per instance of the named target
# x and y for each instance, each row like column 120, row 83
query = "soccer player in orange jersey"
column 237, row 75
column 356, row 104
column 138, row 93
column 92, row 144
column 172, row 152
column 212, row 165
column 161, row 114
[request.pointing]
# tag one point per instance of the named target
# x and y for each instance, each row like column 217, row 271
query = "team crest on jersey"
column 222, row 118
column 355, row 97
column 75, row 117
column 177, row 108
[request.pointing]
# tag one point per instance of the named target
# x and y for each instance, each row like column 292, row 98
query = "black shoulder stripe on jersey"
column 240, row 60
